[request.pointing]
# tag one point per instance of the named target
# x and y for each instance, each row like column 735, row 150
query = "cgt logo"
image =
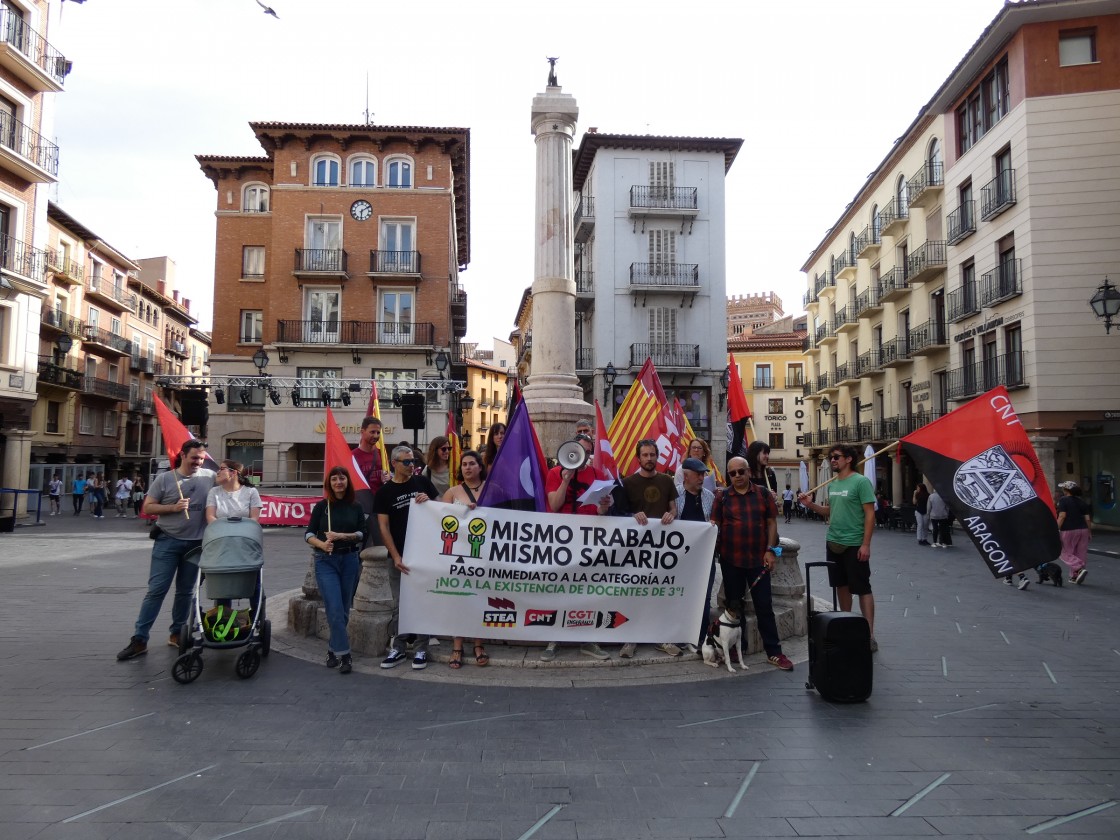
column 540, row 618
column 502, row 613
column 609, row 620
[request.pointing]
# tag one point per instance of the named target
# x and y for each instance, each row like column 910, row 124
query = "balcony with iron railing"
column 321, row 262
column 868, row 363
column 99, row 337
column 843, row 266
column 963, row 302
column 29, row 55
column 665, row 355
column 825, row 382
column 925, row 187
column 585, row 282
column 911, row 424
column 139, row 406
column 928, row 338
column 1004, row 283
column 26, row 152
column 177, row 347
column 962, row 222
column 351, row 333
column 663, row 201
column 142, row 362
column 823, row 282
column 809, row 298
column 846, row 374
column 895, row 352
column 763, row 383
column 584, row 218
column 893, row 284
column 893, row 216
column 969, row 380
column 63, row 323
column 867, row 301
column 95, row 386
column 809, row 389
column 106, row 291
column 795, row 379
column 867, row 243
column 585, row 358
column 926, row 261
column 845, row 321
column 676, row 277
column 18, row 257
column 52, row 373
column 997, row 195
column 824, row 334
column 64, row 270
column 392, row 262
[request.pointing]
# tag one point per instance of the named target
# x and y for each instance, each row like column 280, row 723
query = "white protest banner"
column 504, row 574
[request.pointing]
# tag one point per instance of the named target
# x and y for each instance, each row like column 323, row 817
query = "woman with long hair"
column 472, row 478
column 758, row 462
column 335, row 534
column 230, row 497
column 698, row 448
column 493, row 443
column 138, row 490
column 437, row 468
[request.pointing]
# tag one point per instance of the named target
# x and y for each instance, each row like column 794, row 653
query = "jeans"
column 736, row 581
column 395, row 587
column 168, row 563
column 99, row 503
column 921, row 520
column 337, row 578
column 705, row 618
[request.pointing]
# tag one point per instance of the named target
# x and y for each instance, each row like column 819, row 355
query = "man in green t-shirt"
column 851, row 523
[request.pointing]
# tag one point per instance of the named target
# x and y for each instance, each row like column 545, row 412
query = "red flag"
column 738, row 413
column 456, row 450
column 982, row 464
column 175, row 434
column 336, row 453
column 605, row 466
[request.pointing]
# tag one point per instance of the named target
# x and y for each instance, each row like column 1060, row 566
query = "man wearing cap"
column 747, row 517
column 694, row 504
column 564, row 487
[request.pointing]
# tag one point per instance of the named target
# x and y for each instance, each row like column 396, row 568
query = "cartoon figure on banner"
column 476, row 536
column 449, row 534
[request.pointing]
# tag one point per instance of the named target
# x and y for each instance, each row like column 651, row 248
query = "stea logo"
column 540, row 618
column 502, row 613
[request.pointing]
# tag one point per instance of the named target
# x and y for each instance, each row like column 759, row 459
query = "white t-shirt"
column 124, row 488
column 239, row 503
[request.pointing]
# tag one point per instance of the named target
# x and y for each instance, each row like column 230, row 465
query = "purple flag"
column 516, row 478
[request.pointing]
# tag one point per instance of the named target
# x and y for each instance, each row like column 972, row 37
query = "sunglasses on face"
column 734, row 473
column 408, row 462
column 835, row 457
column 445, row 449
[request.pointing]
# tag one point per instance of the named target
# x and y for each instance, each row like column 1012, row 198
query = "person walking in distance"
column 178, row 498
column 391, row 506
column 1074, row 522
column 647, row 494
column 747, row 518
column 787, row 503
column 921, row 512
column 79, row 492
column 939, row 517
column 851, row 525
column 54, row 491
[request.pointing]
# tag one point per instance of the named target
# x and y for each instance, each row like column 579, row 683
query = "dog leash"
column 754, row 583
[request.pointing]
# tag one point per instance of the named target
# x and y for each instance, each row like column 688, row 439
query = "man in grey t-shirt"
column 178, row 498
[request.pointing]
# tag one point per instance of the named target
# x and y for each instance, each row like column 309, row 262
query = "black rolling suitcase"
column 839, row 651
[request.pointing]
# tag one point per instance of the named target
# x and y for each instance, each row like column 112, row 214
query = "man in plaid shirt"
column 747, row 518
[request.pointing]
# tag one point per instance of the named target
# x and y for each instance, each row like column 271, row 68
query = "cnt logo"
column 540, row 618
column 502, row 612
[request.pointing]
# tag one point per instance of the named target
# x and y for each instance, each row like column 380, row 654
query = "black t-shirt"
column 1075, row 510
column 693, row 508
column 393, row 500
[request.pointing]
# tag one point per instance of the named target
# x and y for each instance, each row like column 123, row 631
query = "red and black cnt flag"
column 738, row 412
column 982, row 464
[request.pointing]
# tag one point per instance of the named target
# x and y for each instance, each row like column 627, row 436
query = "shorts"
column 845, row 569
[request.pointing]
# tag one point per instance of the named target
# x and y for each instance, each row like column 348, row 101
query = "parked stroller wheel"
column 185, row 636
column 248, row 663
column 266, row 637
column 187, row 668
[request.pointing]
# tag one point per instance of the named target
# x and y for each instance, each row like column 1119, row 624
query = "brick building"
column 338, row 255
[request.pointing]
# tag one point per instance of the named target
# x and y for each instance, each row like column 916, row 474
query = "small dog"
column 1049, row 572
column 723, row 637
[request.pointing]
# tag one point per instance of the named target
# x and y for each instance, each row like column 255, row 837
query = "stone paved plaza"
column 996, row 713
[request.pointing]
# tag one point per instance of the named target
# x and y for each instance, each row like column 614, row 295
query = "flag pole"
column 886, row 448
column 179, row 487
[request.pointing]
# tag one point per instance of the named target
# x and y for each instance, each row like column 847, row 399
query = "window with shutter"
column 661, row 179
column 662, row 325
column 662, row 250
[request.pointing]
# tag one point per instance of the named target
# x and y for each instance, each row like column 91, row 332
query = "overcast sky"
column 818, row 90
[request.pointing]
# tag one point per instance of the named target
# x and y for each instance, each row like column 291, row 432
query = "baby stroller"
column 230, row 560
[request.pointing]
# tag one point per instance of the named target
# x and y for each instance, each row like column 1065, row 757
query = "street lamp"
column 1106, row 303
column 609, row 376
column 64, row 343
column 464, row 403
column 260, row 359
column 442, row 361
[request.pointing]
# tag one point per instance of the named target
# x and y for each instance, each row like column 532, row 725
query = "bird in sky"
column 268, row 10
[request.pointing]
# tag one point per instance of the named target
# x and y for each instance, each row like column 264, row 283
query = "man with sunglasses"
column 851, row 524
column 391, row 504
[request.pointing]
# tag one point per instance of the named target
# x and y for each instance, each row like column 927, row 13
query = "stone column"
column 372, row 613
column 553, row 393
column 15, row 469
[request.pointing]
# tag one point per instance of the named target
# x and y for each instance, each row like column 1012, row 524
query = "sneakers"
column 1080, row 575
column 173, row 640
column 781, row 661
column 136, row 647
column 923, row 542
column 346, row 664
column 549, row 653
column 1007, row 580
column 628, row 650
column 1023, row 582
column 332, row 660
column 395, row 658
column 593, row 650
column 874, row 645
column 420, row 660
column 669, row 649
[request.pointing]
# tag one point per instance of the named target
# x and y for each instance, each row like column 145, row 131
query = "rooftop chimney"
column 174, row 293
